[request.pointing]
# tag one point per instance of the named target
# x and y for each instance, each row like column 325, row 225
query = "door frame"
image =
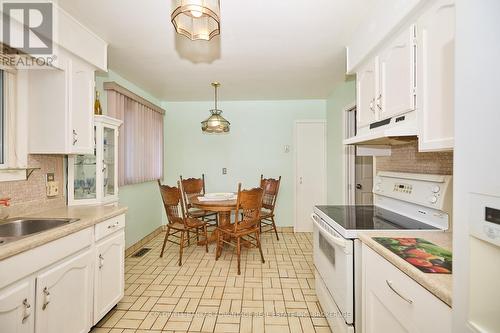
column 349, row 160
column 295, row 161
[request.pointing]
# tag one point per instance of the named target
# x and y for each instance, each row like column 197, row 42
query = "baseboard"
column 133, row 248
column 284, row 229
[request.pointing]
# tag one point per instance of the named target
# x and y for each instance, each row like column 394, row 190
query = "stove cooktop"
column 371, row 218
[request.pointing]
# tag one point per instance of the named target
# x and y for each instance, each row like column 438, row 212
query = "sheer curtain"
column 140, row 156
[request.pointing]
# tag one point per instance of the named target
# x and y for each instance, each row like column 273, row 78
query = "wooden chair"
column 196, row 187
column 249, row 203
column 271, row 187
column 178, row 222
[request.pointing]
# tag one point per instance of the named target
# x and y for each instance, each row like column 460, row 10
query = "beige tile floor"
column 205, row 295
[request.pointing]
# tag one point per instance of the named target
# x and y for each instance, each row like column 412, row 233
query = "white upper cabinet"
column 365, row 95
column 61, row 108
column 436, row 44
column 396, row 90
column 407, row 86
column 82, row 106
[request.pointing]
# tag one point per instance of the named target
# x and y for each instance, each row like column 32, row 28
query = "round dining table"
column 223, row 208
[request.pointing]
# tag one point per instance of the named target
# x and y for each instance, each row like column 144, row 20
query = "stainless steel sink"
column 16, row 228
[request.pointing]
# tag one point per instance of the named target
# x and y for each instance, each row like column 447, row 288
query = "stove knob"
column 436, row 189
column 433, row 199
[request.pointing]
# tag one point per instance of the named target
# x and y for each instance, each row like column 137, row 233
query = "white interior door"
column 310, row 171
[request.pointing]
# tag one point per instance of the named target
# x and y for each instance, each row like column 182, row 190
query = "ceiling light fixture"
column 215, row 123
column 196, row 19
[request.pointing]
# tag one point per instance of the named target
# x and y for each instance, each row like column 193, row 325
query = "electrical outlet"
column 50, row 177
column 224, row 171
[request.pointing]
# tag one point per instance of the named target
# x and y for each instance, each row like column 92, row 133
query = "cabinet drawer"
column 110, row 226
column 404, row 300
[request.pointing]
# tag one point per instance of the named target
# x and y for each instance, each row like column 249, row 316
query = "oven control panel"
column 433, row 191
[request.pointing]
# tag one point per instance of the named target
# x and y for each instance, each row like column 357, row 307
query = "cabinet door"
column 365, row 95
column 81, row 99
column 110, row 165
column 396, row 91
column 64, row 296
column 109, row 274
column 16, row 307
column 436, row 44
column 393, row 303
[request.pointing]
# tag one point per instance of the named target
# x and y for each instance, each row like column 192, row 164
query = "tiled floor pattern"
column 204, row 295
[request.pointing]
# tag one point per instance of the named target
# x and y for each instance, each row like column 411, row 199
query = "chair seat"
column 264, row 214
column 190, row 224
column 197, row 213
column 229, row 229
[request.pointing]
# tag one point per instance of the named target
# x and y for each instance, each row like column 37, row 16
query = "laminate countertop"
column 87, row 215
column 440, row 285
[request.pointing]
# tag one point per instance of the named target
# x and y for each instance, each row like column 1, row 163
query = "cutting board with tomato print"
column 424, row 255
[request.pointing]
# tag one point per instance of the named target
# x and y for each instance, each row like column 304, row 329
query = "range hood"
column 392, row 131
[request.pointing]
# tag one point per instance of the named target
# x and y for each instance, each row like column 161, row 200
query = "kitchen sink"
column 16, row 228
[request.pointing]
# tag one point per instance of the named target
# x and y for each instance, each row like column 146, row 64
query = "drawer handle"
column 114, row 225
column 46, row 298
column 389, row 283
column 27, row 310
column 101, row 261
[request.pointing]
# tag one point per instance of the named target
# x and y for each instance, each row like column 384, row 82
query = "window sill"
column 10, row 175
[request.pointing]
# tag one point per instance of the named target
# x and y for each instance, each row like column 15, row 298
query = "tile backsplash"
column 407, row 158
column 29, row 196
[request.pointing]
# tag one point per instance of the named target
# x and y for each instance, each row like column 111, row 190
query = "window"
column 140, row 147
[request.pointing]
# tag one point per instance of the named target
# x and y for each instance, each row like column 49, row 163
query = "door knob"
column 359, row 186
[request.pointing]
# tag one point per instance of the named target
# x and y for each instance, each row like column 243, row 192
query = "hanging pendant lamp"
column 196, row 19
column 215, row 123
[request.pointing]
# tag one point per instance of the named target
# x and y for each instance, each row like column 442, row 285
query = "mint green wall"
column 143, row 200
column 344, row 94
column 255, row 145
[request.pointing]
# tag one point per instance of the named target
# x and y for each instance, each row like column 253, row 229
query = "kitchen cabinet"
column 365, row 95
column 16, row 307
column 61, row 107
column 64, row 296
column 393, row 303
column 435, row 57
column 385, row 86
column 93, row 178
column 396, row 76
column 109, row 274
column 66, row 285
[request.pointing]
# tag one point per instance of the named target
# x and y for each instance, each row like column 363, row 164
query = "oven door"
column 333, row 258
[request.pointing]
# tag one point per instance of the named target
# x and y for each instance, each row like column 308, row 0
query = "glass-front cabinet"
column 93, row 179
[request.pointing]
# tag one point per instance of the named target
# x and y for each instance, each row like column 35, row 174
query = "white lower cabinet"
column 394, row 303
column 64, row 296
column 16, row 307
column 109, row 274
column 74, row 281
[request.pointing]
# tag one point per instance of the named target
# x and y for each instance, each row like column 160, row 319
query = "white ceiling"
column 268, row 49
